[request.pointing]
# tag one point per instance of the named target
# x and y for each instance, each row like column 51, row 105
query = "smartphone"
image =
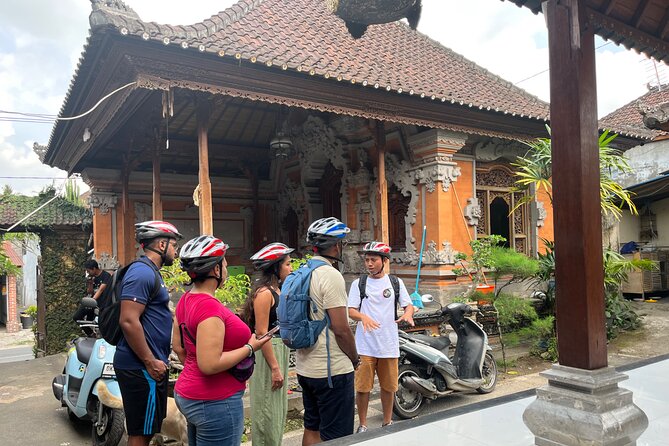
column 270, row 333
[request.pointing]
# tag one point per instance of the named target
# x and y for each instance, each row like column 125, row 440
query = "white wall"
column 661, row 210
column 629, row 227
column 647, row 161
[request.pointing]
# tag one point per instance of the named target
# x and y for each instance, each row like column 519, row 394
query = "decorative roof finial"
column 104, row 12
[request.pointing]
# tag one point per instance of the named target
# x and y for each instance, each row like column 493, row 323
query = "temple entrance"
column 330, row 189
column 499, row 219
column 398, row 206
column 497, row 196
column 290, row 225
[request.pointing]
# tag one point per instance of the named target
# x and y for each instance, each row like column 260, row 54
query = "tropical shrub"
column 234, row 291
column 514, row 312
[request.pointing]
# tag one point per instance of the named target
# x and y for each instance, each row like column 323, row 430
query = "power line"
column 548, row 69
column 31, row 178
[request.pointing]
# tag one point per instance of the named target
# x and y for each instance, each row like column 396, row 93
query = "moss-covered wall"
column 63, row 257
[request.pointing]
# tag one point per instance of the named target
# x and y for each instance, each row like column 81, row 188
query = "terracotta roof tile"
column 11, row 254
column 305, row 36
column 628, row 121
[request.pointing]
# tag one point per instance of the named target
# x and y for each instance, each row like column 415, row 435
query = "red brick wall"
column 12, row 312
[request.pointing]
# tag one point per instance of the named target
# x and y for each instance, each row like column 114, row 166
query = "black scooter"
column 427, row 371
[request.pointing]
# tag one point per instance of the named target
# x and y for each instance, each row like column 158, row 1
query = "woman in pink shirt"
column 215, row 347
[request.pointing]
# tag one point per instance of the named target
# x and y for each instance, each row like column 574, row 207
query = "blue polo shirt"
column 138, row 284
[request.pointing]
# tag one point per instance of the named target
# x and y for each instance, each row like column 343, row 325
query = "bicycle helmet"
column 378, row 248
column 148, row 230
column 270, row 254
column 326, row 232
column 201, row 254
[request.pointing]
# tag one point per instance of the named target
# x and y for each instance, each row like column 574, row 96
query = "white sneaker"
column 362, row 428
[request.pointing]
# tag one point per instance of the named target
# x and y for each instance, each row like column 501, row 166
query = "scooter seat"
column 438, row 342
column 84, row 347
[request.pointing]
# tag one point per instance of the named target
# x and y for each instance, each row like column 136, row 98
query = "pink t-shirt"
column 192, row 383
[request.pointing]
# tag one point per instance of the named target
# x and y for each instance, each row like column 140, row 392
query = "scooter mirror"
column 427, row 298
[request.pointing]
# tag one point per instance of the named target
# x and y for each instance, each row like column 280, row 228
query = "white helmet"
column 326, row 232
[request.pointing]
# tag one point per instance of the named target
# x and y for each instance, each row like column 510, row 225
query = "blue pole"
column 415, row 297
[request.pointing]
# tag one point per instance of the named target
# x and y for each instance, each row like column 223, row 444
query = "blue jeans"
column 213, row 423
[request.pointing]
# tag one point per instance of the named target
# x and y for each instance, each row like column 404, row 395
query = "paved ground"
column 27, row 403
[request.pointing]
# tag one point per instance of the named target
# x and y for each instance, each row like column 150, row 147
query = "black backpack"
column 394, row 281
column 110, row 304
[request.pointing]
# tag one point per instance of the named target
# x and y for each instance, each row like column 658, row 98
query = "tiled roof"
column 59, row 212
column 628, row 121
column 13, row 257
column 302, row 35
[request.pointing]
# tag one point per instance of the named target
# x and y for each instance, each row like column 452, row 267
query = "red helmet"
column 202, row 254
column 378, row 248
column 148, row 230
column 270, row 254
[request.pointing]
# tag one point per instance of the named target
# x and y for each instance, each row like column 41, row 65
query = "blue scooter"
column 88, row 386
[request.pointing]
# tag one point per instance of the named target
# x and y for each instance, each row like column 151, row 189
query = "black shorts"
column 329, row 411
column 144, row 401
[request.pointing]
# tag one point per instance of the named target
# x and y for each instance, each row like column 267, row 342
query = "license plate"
column 108, row 370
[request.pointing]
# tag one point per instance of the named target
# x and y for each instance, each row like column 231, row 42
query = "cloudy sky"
column 41, row 41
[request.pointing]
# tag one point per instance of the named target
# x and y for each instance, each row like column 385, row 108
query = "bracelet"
column 251, row 351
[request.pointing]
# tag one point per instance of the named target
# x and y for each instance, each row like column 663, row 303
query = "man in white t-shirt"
column 374, row 305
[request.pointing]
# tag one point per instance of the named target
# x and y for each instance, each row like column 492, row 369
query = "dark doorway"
column 499, row 219
column 398, row 206
column 330, row 191
column 290, row 225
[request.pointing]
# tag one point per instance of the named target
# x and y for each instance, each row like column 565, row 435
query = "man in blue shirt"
column 141, row 356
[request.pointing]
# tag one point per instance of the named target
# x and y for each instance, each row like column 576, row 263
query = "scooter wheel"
column 407, row 403
column 111, row 428
column 489, row 374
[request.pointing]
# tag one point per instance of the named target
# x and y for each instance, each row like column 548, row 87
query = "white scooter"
column 426, row 371
column 88, row 386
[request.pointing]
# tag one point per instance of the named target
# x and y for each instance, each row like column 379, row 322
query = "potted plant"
column 28, row 316
column 480, row 261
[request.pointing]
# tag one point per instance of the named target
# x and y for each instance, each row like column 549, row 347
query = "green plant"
column 174, row 277
column 234, row 291
column 6, row 266
column 514, row 312
column 481, row 258
column 542, row 335
column 505, row 262
column 71, row 192
column 544, row 279
column 31, row 311
column 536, row 169
column 618, row 312
column 296, row 262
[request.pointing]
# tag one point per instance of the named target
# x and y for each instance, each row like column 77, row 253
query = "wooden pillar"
column 205, row 208
column 127, row 228
column 157, row 201
column 383, row 184
column 579, row 276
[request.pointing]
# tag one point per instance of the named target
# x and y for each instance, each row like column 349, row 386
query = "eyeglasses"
column 175, row 245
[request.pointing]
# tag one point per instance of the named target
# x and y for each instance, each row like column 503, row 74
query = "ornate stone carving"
column 655, row 118
column 481, row 200
column 495, row 177
column 293, row 197
column 40, row 150
column 441, row 168
column 472, row 212
column 143, row 212
column 108, row 262
column 541, row 213
column 495, row 148
column 400, row 174
column 439, row 257
column 353, row 262
column 103, row 201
